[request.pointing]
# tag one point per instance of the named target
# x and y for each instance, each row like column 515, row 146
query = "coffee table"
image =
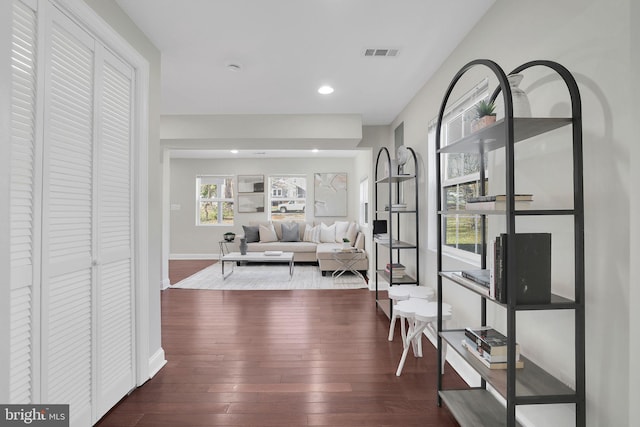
column 260, row 257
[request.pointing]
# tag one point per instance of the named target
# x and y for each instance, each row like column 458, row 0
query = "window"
column 214, row 200
column 462, row 234
column 288, row 197
column 364, row 202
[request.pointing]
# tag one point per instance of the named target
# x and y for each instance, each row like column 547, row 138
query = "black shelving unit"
column 532, row 384
column 394, row 178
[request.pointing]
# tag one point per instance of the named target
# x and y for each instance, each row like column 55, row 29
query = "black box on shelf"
column 379, row 226
column 532, row 264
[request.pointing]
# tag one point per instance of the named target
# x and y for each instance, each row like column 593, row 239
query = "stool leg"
column 392, row 326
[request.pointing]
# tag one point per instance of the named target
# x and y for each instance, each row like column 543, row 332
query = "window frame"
column 460, row 108
column 293, row 215
column 220, row 201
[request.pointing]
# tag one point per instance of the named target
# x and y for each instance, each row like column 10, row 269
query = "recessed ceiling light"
column 234, row 151
column 325, row 90
column 315, row 150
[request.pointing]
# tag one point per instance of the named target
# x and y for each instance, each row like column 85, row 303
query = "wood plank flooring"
column 282, row 358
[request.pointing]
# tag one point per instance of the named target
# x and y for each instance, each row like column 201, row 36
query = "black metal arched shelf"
column 389, row 175
column 478, row 407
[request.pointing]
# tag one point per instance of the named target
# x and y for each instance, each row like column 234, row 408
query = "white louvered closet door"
column 22, row 202
column 67, row 219
column 114, row 269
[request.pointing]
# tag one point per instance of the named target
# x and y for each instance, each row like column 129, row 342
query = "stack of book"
column 489, row 347
column 395, row 270
column 382, row 238
column 396, row 207
column 498, row 203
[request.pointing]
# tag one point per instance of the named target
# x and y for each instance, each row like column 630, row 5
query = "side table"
column 346, row 260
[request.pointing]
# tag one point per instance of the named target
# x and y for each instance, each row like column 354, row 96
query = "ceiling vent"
column 381, row 52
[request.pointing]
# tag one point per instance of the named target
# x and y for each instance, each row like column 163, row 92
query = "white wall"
column 120, row 22
column 190, row 240
column 514, row 32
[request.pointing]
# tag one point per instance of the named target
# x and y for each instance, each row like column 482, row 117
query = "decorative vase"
column 521, row 106
column 243, row 246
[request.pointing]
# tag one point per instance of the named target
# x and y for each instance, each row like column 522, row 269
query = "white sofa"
column 312, row 244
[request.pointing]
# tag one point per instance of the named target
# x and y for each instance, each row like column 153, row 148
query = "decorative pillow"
column 341, row 230
column 290, row 232
column 251, row 233
column 352, row 233
column 312, row 234
column 267, row 234
column 327, row 233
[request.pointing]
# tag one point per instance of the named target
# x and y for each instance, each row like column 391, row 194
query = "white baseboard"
column 193, row 256
column 156, row 362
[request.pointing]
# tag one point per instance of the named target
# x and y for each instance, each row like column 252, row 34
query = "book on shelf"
column 532, row 268
column 395, row 270
column 500, row 198
column 489, row 340
column 481, row 289
column 382, row 238
column 485, row 362
column 481, row 277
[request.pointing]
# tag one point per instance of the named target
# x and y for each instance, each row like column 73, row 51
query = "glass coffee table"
column 257, row 257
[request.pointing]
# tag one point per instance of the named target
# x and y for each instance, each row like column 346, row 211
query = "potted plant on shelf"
column 485, row 115
column 230, row 236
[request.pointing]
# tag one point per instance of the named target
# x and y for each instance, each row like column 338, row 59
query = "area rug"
column 268, row 277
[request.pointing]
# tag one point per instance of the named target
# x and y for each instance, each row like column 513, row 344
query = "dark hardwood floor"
column 282, row 358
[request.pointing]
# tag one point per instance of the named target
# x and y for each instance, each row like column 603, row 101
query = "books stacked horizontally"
column 498, row 203
column 489, row 347
column 395, row 270
column 396, row 207
column 382, row 238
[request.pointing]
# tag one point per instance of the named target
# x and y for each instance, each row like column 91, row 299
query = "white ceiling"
column 288, row 48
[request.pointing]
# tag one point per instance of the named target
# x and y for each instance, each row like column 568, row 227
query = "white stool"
column 420, row 314
column 404, row 292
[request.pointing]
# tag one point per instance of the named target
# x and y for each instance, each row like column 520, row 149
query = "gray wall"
column 514, row 32
column 190, row 241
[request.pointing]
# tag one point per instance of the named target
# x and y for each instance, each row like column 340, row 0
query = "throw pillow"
column 290, row 232
column 267, row 234
column 251, row 233
column 341, row 230
column 327, row 233
column 312, row 234
column 352, row 233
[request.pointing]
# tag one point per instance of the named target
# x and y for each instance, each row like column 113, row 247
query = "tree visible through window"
column 288, row 197
column 214, row 200
column 462, row 176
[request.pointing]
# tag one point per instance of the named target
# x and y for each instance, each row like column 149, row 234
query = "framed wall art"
column 330, row 194
column 250, row 183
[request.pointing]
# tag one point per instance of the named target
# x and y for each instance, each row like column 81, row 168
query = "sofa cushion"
column 267, row 233
column 251, row 233
column 327, row 233
column 312, row 234
column 283, row 246
column 341, row 230
column 352, row 233
column 290, row 232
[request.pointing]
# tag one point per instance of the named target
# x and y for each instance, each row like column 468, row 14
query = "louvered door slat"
column 115, row 278
column 23, row 109
column 68, row 219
